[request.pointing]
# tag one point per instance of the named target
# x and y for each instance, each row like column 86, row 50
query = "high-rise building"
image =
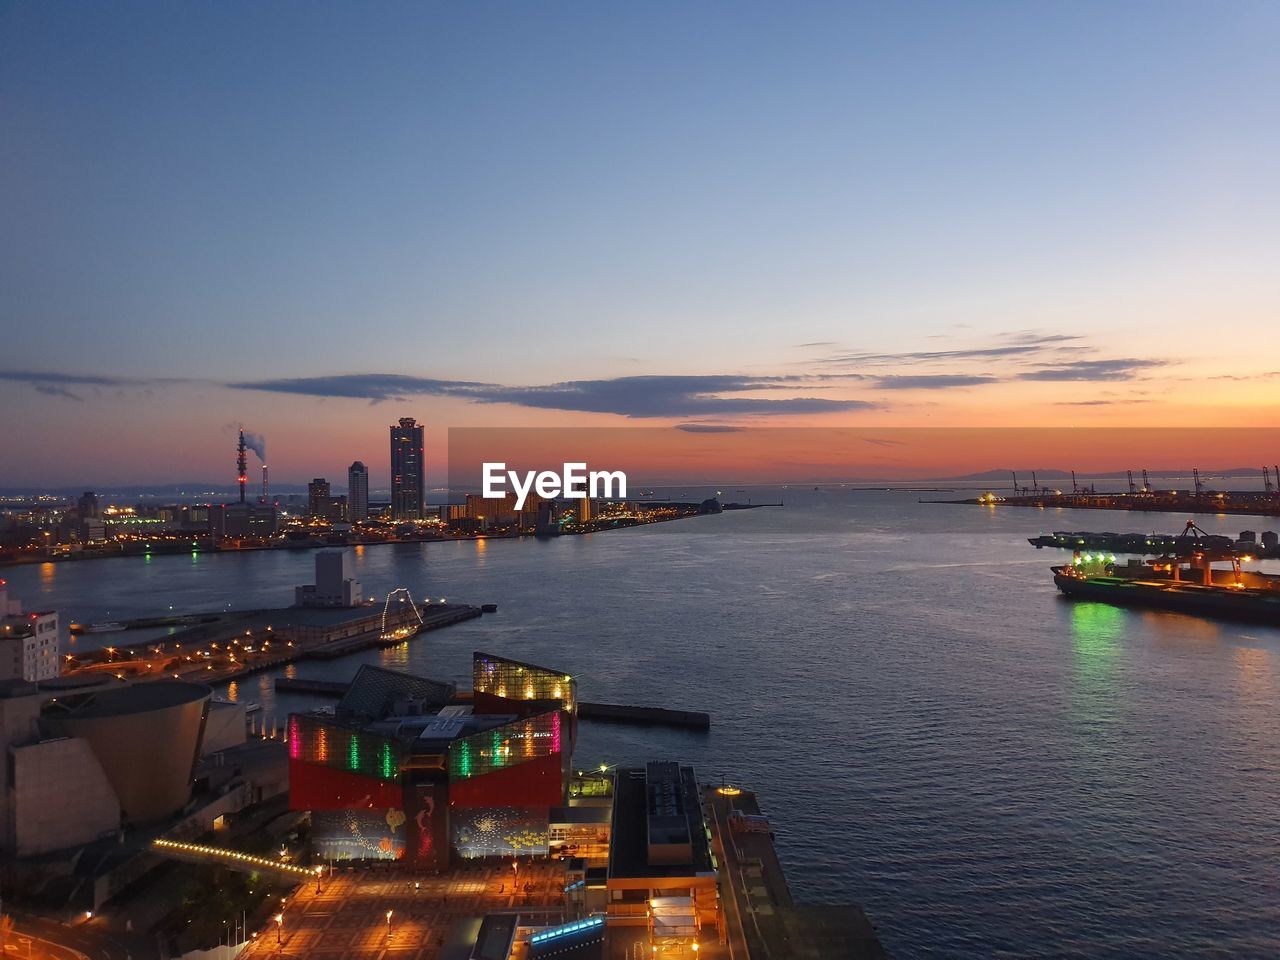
column 318, row 497
column 407, row 462
column 358, row 492
column 89, row 506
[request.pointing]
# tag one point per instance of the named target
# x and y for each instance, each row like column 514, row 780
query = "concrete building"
column 318, row 497
column 84, row 756
column 408, row 463
column 239, row 520
column 357, row 492
column 334, row 586
column 29, row 642
column 661, row 873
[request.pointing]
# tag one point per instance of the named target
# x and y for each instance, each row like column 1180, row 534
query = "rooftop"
column 132, row 698
column 629, row 848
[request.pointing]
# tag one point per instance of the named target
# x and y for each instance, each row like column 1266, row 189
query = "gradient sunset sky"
column 316, row 218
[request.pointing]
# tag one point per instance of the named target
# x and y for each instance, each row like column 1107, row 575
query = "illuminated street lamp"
column 389, row 926
column 319, row 871
column 279, row 928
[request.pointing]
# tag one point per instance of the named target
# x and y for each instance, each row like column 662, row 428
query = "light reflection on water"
column 994, row 771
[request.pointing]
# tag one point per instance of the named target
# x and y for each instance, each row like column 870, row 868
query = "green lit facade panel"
column 505, row 746
column 313, row 740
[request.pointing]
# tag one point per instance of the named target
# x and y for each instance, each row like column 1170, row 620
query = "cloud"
column 1093, row 370
column 54, row 384
column 1017, row 344
column 932, row 381
column 707, row 428
column 1097, row 403
column 636, row 397
column 52, row 390
column 668, row 396
column 362, row 386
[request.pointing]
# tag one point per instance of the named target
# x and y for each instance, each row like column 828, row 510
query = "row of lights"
column 236, row 855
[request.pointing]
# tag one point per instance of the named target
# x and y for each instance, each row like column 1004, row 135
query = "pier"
column 1238, row 502
column 236, row 645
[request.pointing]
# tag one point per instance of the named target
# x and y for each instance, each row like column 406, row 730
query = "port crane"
column 1146, row 484
column 1132, row 488
column 1195, row 476
column 1266, row 480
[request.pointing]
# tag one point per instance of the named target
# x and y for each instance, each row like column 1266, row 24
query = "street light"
column 279, row 927
column 319, row 871
column 388, row 926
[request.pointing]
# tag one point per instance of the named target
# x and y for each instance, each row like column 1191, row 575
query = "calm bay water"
column 991, row 770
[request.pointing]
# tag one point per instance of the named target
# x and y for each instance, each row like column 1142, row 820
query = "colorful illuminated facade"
column 429, row 776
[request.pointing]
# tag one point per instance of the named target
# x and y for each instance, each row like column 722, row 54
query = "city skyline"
column 500, row 217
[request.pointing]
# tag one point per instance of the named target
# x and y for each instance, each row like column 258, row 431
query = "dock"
column 644, row 716
column 432, row 619
column 1235, row 502
column 762, row 920
column 600, row 712
column 241, row 643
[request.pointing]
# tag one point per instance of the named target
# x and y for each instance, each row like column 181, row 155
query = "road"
column 51, row 940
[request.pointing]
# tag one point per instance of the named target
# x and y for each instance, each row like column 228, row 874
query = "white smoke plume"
column 257, row 443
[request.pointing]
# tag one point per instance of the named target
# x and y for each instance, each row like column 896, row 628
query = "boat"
column 110, row 626
column 1183, row 580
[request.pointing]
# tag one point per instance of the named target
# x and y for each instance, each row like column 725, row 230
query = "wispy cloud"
column 932, row 381
column 1126, row 368
column 1018, row 344
column 1099, row 403
column 53, row 384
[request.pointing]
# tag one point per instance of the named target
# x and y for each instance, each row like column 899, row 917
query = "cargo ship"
column 1183, row 580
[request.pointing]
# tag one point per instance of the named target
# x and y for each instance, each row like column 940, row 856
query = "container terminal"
column 1200, row 498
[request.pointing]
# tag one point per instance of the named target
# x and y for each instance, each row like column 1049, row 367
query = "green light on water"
column 1096, row 626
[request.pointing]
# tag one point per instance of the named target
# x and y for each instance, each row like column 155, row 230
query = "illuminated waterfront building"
column 357, row 492
column 403, row 770
column 407, row 470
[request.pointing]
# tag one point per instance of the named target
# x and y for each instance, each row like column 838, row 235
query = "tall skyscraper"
column 407, row 458
column 358, row 491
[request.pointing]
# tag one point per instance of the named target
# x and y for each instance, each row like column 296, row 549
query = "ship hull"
column 1196, row 601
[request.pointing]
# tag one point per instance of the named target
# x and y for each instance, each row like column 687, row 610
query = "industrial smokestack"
column 266, row 496
column 242, row 465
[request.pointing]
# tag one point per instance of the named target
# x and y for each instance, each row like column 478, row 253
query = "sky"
column 316, row 218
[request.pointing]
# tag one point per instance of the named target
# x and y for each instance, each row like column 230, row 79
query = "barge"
column 1183, row 580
